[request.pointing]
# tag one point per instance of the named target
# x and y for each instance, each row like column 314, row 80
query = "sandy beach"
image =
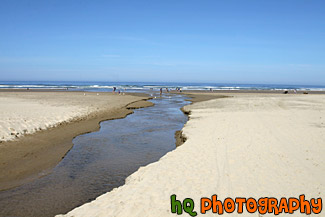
column 37, row 127
column 245, row 145
column 165, row 108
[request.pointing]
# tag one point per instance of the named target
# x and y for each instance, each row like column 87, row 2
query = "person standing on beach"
column 114, row 89
column 160, row 91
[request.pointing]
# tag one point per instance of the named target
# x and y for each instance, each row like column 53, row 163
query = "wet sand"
column 33, row 155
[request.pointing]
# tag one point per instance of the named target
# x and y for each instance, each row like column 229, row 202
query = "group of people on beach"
column 119, row 91
column 178, row 89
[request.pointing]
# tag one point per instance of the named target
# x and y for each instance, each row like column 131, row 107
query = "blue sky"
column 180, row 41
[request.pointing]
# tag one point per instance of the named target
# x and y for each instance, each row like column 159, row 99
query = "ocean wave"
column 108, row 86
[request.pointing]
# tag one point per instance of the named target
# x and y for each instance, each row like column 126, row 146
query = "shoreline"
column 35, row 155
column 249, row 91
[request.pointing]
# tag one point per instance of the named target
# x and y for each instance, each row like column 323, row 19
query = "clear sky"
column 247, row 41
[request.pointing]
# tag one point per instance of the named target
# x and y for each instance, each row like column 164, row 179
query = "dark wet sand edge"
column 35, row 155
column 193, row 98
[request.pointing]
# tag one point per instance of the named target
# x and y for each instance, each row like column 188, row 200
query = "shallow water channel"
column 100, row 161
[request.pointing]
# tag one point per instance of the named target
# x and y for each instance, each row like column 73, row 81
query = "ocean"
column 145, row 86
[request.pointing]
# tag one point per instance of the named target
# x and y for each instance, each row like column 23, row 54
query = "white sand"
column 248, row 145
column 27, row 112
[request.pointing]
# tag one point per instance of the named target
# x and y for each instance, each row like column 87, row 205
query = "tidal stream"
column 100, row 161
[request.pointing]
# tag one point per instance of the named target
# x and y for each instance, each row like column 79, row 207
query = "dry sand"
column 41, row 126
column 249, row 145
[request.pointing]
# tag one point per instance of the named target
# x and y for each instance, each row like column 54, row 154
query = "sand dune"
column 248, row 145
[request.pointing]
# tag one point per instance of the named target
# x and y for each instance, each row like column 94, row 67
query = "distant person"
column 160, row 91
column 114, row 89
column 167, row 90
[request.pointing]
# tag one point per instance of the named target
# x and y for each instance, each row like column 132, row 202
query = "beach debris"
column 305, row 92
column 285, row 92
